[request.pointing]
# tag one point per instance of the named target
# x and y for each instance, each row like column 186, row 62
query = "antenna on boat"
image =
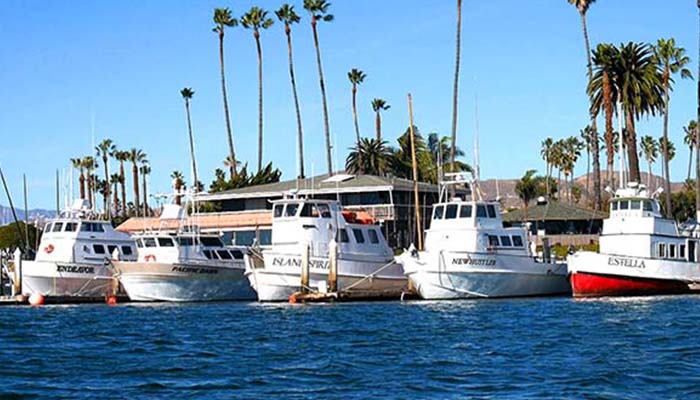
column 477, row 169
column 14, row 213
column 26, row 211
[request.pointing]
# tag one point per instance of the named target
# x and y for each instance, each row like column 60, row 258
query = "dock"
column 342, row 296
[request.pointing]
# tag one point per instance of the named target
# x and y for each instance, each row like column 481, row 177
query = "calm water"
column 554, row 347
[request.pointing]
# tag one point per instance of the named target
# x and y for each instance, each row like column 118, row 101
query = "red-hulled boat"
column 641, row 252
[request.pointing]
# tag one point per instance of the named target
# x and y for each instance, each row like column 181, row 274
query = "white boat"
column 364, row 260
column 641, row 252
column 469, row 254
column 72, row 258
column 183, row 266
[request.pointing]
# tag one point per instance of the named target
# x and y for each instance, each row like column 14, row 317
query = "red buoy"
column 292, row 298
column 36, row 299
column 112, row 300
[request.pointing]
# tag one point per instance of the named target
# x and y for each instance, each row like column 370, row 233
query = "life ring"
column 49, row 249
column 150, row 258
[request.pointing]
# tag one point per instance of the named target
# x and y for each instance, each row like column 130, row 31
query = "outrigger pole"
column 14, row 213
column 415, row 173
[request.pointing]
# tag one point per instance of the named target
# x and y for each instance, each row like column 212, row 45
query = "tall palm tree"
column 223, row 19
column 122, row 157
column 136, row 156
column 145, row 171
column 256, row 19
column 697, row 137
column 604, row 95
column 667, row 147
column 671, row 60
column 690, row 140
column 526, row 189
column 178, row 184
column 546, row 153
column 105, row 149
column 572, row 151
column 582, row 7
column 187, row 94
column 379, row 105
column 90, row 164
column 455, row 85
column 440, row 149
column 78, row 164
column 356, row 77
column 115, row 180
column 369, row 156
column 318, row 10
column 587, row 138
column 650, row 150
column 288, row 16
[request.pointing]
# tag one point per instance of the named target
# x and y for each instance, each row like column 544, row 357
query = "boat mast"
column 416, row 202
column 477, row 170
column 620, row 145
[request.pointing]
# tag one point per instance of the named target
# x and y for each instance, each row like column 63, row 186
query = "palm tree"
column 356, row 77
column 287, row 16
column 669, row 149
column 690, row 140
column 136, row 156
column 572, row 151
column 650, row 150
column 379, row 105
column 145, row 171
column 526, row 188
column 104, row 149
column 546, row 153
column 222, row 19
column 455, row 86
column 122, row 157
column 582, row 7
column 178, row 183
column 256, row 19
column 604, row 95
column 558, row 160
column 115, row 179
column 90, row 164
column 78, row 164
column 670, row 60
column 369, row 156
column 187, row 94
column 440, row 150
column 587, row 136
column 318, row 9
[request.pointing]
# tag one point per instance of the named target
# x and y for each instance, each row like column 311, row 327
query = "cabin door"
column 692, row 248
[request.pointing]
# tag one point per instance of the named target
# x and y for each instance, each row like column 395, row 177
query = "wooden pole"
column 416, row 204
column 305, row 267
column 333, row 266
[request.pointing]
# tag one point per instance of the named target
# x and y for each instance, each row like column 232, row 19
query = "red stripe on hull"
column 595, row 285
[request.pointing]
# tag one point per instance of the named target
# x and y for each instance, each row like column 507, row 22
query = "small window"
column 127, row 251
column 624, row 205
column 517, row 241
column 342, row 236
column 359, row 237
column 681, row 251
column 648, row 206
column 57, row 227
column 291, row 210
column 237, row 254
column 111, row 248
column 465, row 211
column 437, row 214
column 661, row 251
column 324, row 210
column 505, row 241
column 224, row 255
column 207, row 254
column 210, row 241
column 635, row 205
column 71, row 227
column 614, row 205
column 149, row 242
column 671, row 251
column 373, row 238
column 492, row 210
column 139, row 243
column 86, row 227
column 481, row 212
column 310, row 211
column 165, row 242
column 493, row 240
column 184, row 241
column 277, row 211
column 451, row 211
column 47, row 228
column 98, row 248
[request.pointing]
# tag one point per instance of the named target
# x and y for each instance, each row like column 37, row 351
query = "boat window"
column 342, row 236
column 359, row 237
column 465, row 211
column 492, row 210
column 671, row 251
column 635, row 205
column 481, row 211
column 451, row 211
column 613, row 206
column 325, row 210
column 437, row 213
column 291, row 210
column 661, row 251
column 373, row 238
column 165, row 242
column 648, row 206
column 185, row 241
column 207, row 254
column 71, row 227
column 47, row 228
column 309, row 211
column 517, row 241
column 139, row 244
column 98, row 248
column 210, row 241
column 224, row 255
column 111, row 248
column 149, row 242
column 237, row 254
column 681, row 251
column 493, row 240
column 505, row 241
column 277, row 211
column 57, row 227
column 127, row 251
column 624, row 205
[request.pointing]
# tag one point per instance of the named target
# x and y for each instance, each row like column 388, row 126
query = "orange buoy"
column 292, row 298
column 36, row 299
column 112, row 300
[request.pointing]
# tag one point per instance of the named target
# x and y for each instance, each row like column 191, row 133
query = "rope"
column 390, row 263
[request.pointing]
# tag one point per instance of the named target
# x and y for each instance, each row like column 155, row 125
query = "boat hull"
column 66, row 280
column 477, row 275
column 183, row 282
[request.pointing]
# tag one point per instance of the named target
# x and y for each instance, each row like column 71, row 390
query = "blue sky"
column 122, row 64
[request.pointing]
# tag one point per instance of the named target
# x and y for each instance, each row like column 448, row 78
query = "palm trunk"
column 89, row 188
column 588, row 170
column 609, row 144
column 649, row 177
column 354, row 112
column 192, row 156
column 123, row 185
column 107, row 185
column 546, row 177
column 596, row 154
column 177, row 193
column 260, row 100
column 135, row 175
column 667, row 176
column 145, row 196
column 690, row 160
column 378, row 126
column 455, row 86
column 300, row 132
column 115, row 199
column 82, row 184
column 232, row 167
column 559, row 184
column 326, row 126
column 632, row 158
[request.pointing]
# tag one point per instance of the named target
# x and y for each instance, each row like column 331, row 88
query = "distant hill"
column 7, row 218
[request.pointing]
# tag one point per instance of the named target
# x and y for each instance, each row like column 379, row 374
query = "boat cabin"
column 173, row 248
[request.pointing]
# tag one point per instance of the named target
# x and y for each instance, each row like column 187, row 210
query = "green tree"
column 604, row 95
column 104, row 149
column 690, row 140
column 136, row 157
column 145, row 170
column 650, row 150
column 178, row 185
column 77, row 163
column 115, row 180
column 187, row 94
column 223, row 19
column 379, row 105
column 90, row 164
column 440, row 149
column 526, row 189
column 356, row 77
column 546, row 153
column 122, row 157
column 369, row 156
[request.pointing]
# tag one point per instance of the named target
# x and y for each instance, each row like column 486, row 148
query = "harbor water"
column 525, row 348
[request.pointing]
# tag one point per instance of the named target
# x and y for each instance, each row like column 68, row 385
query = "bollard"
column 305, row 267
column 333, row 266
column 17, row 282
column 546, row 251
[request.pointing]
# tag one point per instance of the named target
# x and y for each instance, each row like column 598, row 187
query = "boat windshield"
column 211, row 241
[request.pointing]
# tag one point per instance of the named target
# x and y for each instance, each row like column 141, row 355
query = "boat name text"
column 296, row 262
column 626, row 262
column 194, row 270
column 74, row 269
column 484, row 262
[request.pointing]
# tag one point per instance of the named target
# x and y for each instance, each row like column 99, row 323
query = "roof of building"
column 223, row 220
column 553, row 211
column 322, row 184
